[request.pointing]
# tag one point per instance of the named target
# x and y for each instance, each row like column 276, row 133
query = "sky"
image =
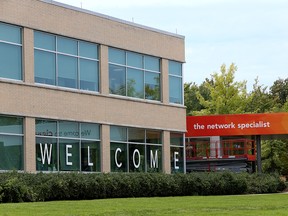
column 253, row 34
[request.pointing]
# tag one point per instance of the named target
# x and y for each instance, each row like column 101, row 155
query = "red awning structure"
column 239, row 124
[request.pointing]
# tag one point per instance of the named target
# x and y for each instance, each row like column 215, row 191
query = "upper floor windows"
column 66, row 62
column 175, row 82
column 10, row 51
column 134, row 75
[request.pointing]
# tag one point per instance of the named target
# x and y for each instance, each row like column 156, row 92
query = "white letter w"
column 43, row 154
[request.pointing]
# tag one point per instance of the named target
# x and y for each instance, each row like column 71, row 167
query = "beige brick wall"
column 36, row 101
column 29, row 145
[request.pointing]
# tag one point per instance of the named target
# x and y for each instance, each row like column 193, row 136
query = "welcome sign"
column 239, row 124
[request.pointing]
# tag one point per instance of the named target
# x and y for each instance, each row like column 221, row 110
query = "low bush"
column 25, row 187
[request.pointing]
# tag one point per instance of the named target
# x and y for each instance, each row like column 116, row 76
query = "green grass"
column 267, row 204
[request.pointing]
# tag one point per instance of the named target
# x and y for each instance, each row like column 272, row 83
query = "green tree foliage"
column 279, row 91
column 274, row 156
column 190, row 96
column 226, row 95
column 259, row 99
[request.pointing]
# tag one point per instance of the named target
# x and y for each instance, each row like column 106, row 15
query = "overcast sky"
column 253, row 34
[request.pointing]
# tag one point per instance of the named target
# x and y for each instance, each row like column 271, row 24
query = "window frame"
column 78, row 57
column 143, row 69
column 15, row 44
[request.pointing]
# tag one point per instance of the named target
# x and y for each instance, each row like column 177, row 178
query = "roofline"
column 111, row 18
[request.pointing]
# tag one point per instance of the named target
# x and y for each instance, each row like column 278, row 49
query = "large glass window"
column 66, row 62
column 134, row 75
column 177, row 156
column 175, row 83
column 11, row 143
column 135, row 150
column 10, row 51
column 67, row 146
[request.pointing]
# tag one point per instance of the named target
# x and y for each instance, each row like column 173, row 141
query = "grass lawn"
column 267, row 204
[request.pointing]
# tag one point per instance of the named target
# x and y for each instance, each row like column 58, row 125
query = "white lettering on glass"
column 176, row 160
column 116, row 161
column 153, row 160
column 89, row 163
column 46, row 153
column 68, row 163
column 136, row 165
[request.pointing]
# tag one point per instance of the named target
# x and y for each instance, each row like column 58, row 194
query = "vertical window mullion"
column 56, row 60
column 78, row 66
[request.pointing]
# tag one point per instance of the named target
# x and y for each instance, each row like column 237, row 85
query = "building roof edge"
column 112, row 18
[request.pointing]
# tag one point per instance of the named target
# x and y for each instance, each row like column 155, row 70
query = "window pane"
column 88, row 50
column 10, row 61
column 11, row 125
column 136, row 135
column 175, row 90
column 153, row 137
column 67, row 71
column 44, row 41
column 69, row 155
column 152, row 86
column 177, row 159
column 88, row 75
column 134, row 60
column 118, row 133
column 176, row 139
column 46, row 128
column 154, row 158
column 117, row 56
column 10, row 33
column 90, row 131
column 11, row 152
column 136, row 158
column 175, row 68
column 67, row 45
column 118, row 155
column 45, row 67
column 46, row 154
column 152, row 63
column 135, row 83
column 69, row 129
column 117, row 80
column 90, row 156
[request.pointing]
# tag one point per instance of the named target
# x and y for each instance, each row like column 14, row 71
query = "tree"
column 279, row 90
column 190, row 96
column 259, row 100
column 274, row 156
column 226, row 95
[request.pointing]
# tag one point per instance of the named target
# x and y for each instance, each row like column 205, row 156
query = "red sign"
column 239, row 124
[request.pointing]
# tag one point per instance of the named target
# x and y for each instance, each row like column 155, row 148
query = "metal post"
column 259, row 163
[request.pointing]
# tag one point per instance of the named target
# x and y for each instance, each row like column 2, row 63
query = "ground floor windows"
column 11, row 143
column 135, row 150
column 67, row 146
column 177, row 152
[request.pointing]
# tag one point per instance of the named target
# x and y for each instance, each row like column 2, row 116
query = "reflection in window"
column 177, row 153
column 66, row 62
column 10, row 52
column 11, row 143
column 67, row 146
column 135, row 150
column 134, row 75
column 175, row 83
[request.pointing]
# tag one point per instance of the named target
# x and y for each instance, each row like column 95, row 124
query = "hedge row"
column 25, row 187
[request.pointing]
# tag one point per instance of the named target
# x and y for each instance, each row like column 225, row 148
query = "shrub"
column 25, row 187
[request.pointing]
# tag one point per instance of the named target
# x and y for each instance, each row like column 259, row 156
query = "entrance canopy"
column 238, row 125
